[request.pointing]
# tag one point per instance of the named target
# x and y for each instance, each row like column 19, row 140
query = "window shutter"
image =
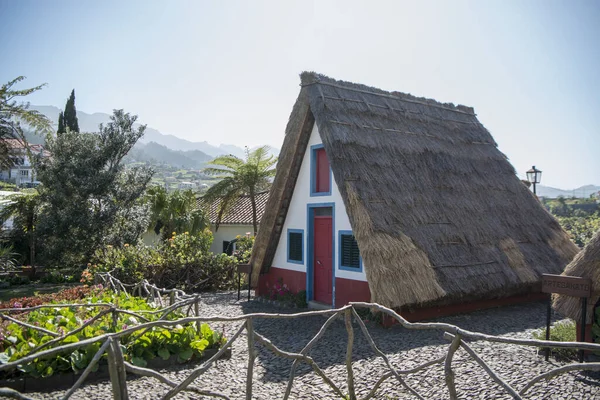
column 349, row 252
column 295, row 246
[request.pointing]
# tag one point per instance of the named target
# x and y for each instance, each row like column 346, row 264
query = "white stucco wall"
column 297, row 219
column 228, row 233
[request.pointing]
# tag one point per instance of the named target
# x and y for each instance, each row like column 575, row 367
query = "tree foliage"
column 68, row 118
column 240, row 177
column 581, row 229
column 13, row 113
column 61, row 123
column 175, row 212
column 91, row 198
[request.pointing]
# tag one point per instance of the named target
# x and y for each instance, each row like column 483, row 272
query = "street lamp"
column 534, row 176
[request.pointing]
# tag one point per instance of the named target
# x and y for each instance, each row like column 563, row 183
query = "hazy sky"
column 227, row 72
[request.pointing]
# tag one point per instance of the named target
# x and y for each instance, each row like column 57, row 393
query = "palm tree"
column 175, row 212
column 12, row 114
column 25, row 207
column 239, row 178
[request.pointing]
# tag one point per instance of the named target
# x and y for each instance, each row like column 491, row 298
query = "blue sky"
column 227, row 72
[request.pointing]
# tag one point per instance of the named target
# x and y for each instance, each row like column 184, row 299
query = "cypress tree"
column 70, row 115
column 61, row 123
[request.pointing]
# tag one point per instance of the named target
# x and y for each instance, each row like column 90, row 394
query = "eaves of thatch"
column 586, row 264
column 438, row 212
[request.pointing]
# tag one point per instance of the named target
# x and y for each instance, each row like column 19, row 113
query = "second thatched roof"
column 240, row 212
column 586, row 264
column 437, row 210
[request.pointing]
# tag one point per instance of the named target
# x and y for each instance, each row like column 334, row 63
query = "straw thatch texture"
column 437, row 210
column 586, row 264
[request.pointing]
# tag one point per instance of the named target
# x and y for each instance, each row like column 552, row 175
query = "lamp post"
column 534, row 176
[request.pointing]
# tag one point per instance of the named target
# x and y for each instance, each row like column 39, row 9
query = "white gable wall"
column 227, row 233
column 297, row 218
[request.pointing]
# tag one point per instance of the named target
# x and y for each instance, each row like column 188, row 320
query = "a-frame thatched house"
column 586, row 264
column 400, row 200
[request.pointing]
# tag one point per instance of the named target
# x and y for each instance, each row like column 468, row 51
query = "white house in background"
column 186, row 185
column 21, row 172
column 237, row 222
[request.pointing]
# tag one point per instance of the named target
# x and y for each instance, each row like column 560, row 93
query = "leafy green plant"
column 561, row 331
column 183, row 341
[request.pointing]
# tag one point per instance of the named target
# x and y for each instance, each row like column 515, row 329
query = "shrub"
column 243, row 248
column 16, row 280
column 127, row 263
column 182, row 261
column 59, row 277
column 561, row 331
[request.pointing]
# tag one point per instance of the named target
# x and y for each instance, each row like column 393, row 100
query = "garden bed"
column 40, row 323
column 27, row 384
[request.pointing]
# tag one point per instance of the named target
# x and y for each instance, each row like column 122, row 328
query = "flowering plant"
column 281, row 292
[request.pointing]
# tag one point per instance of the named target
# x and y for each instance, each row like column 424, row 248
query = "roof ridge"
column 313, row 78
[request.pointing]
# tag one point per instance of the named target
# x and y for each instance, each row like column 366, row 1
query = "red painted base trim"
column 295, row 281
column 442, row 311
column 347, row 290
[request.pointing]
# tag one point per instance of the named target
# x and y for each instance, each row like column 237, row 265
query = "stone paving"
column 405, row 348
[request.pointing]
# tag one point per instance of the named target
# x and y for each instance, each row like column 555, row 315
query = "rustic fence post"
column 197, row 312
column 115, row 319
column 251, row 357
column 116, row 369
column 448, row 367
column 350, row 330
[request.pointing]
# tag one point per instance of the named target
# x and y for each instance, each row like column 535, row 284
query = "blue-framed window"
column 295, row 246
column 320, row 172
column 349, row 255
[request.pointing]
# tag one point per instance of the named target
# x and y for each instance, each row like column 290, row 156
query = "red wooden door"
column 322, row 263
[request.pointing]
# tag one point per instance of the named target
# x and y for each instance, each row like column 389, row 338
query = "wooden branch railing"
column 457, row 337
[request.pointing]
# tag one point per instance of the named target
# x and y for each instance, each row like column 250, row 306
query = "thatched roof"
column 240, row 212
column 586, row 264
column 437, row 210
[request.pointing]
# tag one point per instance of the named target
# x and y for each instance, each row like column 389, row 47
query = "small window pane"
column 323, row 212
column 323, row 184
column 350, row 256
column 227, row 247
column 295, row 246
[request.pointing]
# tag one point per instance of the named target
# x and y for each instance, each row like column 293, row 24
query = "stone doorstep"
column 67, row 380
column 316, row 305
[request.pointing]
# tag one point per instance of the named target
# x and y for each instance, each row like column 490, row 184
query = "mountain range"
column 580, row 192
column 202, row 150
column 157, row 147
